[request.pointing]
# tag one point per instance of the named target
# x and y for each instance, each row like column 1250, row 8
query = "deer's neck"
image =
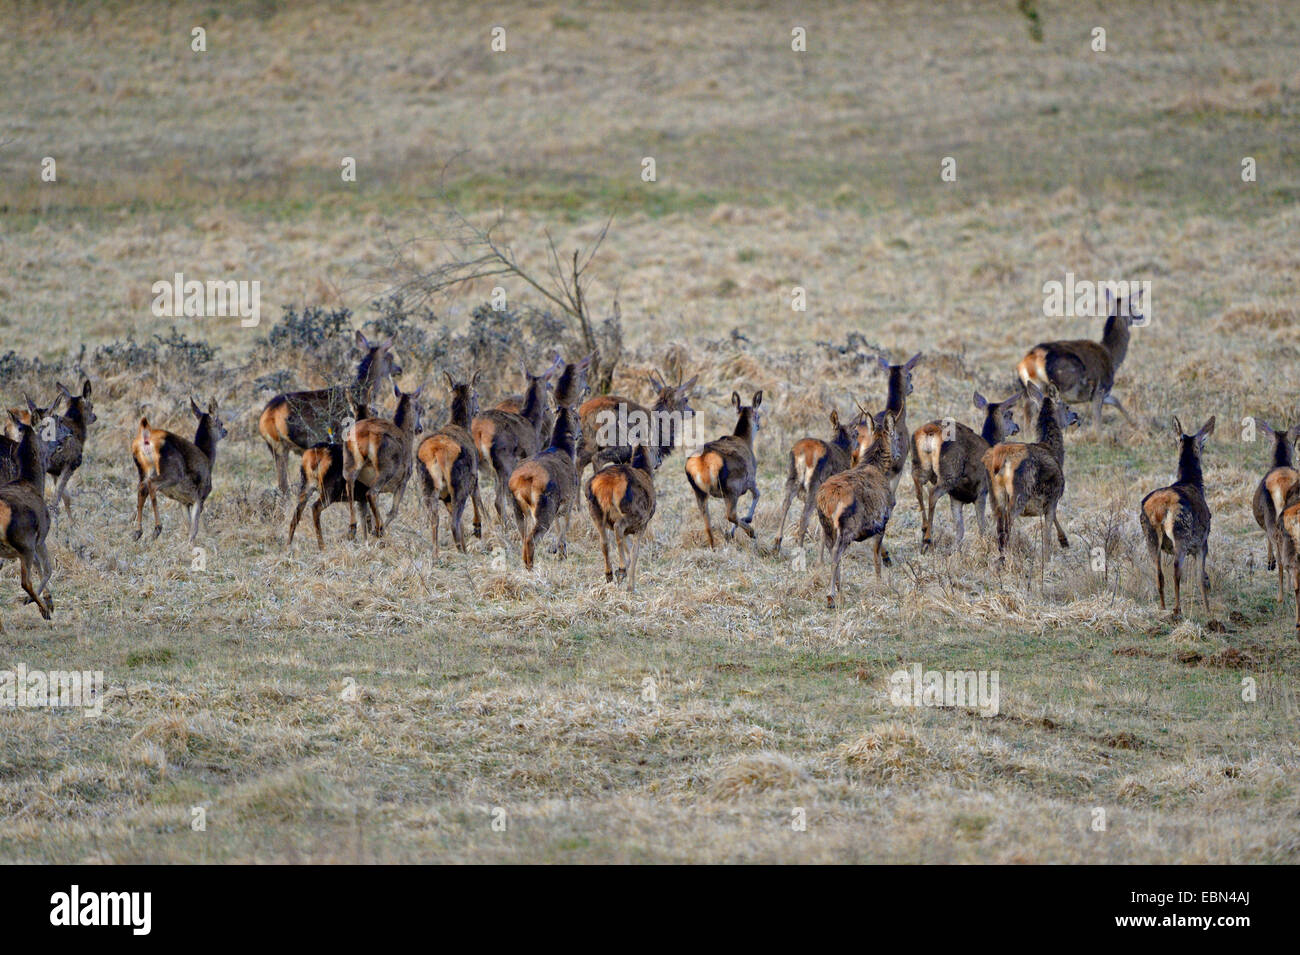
column 563, row 438
column 1115, row 339
column 745, row 429
column 1049, row 432
column 1282, row 450
column 1189, row 466
column 76, row 421
column 460, row 416
column 534, row 404
column 991, row 433
column 29, row 459
column 205, row 441
column 896, row 401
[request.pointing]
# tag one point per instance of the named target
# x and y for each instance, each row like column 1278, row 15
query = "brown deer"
column 25, row 520
column 726, row 468
column 449, row 465
column 621, row 498
column 812, row 461
column 1289, row 552
column 49, row 428
column 379, row 454
column 855, row 505
column 950, row 456
column 545, row 486
column 65, row 458
column 1278, row 488
column 504, row 438
column 1029, row 479
column 298, row 420
column 570, row 388
column 321, row 474
column 612, row 424
column 1081, row 369
column 179, row 469
column 1176, row 519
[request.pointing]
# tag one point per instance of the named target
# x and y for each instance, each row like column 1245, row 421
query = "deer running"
column 1176, row 519
column 812, row 461
column 726, row 468
column 657, row 427
column 298, row 420
column 950, row 456
column 1279, row 488
column 321, row 474
column 25, row 520
column 1081, row 369
column 378, row 454
column 449, row 465
column 179, row 469
column 1029, row 479
column 545, row 485
column 621, row 498
column 855, row 505
column 504, row 438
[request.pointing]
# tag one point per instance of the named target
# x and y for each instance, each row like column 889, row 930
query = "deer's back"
column 305, row 418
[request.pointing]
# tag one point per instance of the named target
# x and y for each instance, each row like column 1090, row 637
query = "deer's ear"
column 835, row 418
column 396, row 390
column 911, row 362
column 1207, row 429
column 1267, row 428
column 212, row 407
column 980, row 401
column 735, row 400
column 656, row 382
column 684, row 390
column 361, row 339
column 194, row 406
column 418, row 391
column 1110, row 300
column 32, row 409
column 1178, row 428
column 758, row 398
column 884, row 362
column 1006, row 405
column 85, row 389
column 451, row 382
column 473, row 382
column 18, row 422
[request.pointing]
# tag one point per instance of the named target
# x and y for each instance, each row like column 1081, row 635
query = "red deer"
column 25, row 520
column 449, row 465
column 1084, row 370
column 855, row 505
column 379, row 454
column 504, row 438
column 605, row 418
column 65, row 457
column 1278, row 488
column 1289, row 556
column 726, row 468
column 179, row 469
column 1176, row 519
column 570, row 388
column 950, row 456
column 621, row 498
column 321, row 474
column 812, row 461
column 545, row 485
column 49, row 429
column 1029, row 479
column 298, row 420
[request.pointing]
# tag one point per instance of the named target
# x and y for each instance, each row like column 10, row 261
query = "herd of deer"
column 538, row 445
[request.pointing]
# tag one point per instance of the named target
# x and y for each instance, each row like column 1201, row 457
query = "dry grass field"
column 369, row 704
